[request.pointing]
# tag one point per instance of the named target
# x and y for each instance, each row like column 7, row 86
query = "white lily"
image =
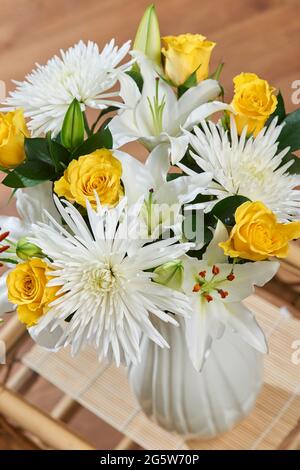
column 156, row 115
column 30, row 203
column 164, row 199
column 216, row 290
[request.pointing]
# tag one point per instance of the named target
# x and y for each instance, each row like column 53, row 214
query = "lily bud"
column 170, row 274
column 26, row 250
column 72, row 133
column 147, row 39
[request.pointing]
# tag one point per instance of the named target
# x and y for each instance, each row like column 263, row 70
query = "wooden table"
column 259, row 36
column 104, row 391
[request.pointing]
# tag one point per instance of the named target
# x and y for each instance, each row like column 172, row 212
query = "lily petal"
column 123, row 129
column 135, row 177
column 247, row 276
column 203, row 112
column 32, row 203
column 129, row 91
column 157, row 164
column 178, row 148
column 17, row 228
column 183, row 189
column 5, row 305
column 197, row 332
column 243, row 322
column 214, row 254
column 205, row 91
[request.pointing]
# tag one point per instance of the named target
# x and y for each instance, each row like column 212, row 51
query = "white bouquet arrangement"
column 105, row 247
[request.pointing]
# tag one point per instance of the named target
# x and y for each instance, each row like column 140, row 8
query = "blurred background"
column 261, row 36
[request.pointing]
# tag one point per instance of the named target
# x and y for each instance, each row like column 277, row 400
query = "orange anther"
column 196, row 288
column 215, row 270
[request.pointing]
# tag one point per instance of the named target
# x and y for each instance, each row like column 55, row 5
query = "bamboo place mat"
column 106, row 393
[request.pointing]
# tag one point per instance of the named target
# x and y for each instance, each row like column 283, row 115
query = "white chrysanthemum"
column 82, row 72
column 248, row 167
column 105, row 289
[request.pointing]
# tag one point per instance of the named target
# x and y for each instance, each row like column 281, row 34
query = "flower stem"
column 86, row 125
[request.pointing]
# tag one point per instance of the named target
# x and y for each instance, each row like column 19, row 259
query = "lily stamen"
column 157, row 109
column 223, row 293
column 3, row 236
column 215, row 270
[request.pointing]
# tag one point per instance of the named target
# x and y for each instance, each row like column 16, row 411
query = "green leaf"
column 72, row 133
column 290, row 134
column 29, row 174
column 225, row 209
column 12, row 194
column 279, row 111
column 37, row 149
column 9, row 260
column 60, row 156
column 189, row 161
column 4, row 170
column 102, row 113
column 173, row 176
column 58, row 138
column 217, row 73
column 225, row 121
column 37, row 167
column 190, row 82
column 136, row 75
column 97, row 141
column 294, row 169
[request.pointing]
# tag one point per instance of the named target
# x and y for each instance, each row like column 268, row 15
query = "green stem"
column 149, row 210
column 96, row 122
column 102, row 113
column 86, row 125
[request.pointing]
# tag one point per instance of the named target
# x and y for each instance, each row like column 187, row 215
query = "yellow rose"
column 257, row 235
column 12, row 132
column 99, row 171
column 184, row 54
column 27, row 288
column 254, row 102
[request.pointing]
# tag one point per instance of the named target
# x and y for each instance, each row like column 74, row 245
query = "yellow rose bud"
column 27, row 288
column 254, row 102
column 257, row 235
column 12, row 132
column 98, row 172
column 184, row 54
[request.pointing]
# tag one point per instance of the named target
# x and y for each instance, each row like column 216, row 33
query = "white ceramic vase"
column 203, row 404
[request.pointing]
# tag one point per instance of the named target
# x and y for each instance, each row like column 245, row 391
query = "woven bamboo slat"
column 106, row 393
column 54, row 434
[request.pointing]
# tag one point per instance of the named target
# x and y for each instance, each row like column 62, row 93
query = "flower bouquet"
column 149, row 263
